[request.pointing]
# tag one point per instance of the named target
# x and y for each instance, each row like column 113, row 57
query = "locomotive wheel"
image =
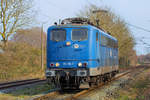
column 77, row 86
column 97, row 82
column 56, row 83
column 93, row 81
column 61, row 86
column 110, row 77
column 91, row 84
column 77, row 82
column 105, row 79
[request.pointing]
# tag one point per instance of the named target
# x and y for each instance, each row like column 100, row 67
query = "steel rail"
column 19, row 83
column 51, row 93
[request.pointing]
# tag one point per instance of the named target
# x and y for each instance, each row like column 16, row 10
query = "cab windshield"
column 58, row 35
column 79, row 34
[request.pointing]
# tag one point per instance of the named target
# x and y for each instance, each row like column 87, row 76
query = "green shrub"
column 124, row 98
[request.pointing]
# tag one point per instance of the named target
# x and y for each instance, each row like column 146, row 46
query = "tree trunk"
column 4, row 44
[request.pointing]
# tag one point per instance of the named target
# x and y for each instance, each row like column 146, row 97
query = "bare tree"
column 31, row 36
column 34, row 37
column 14, row 14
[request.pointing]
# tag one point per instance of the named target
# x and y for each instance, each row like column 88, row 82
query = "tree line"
column 144, row 58
column 16, row 14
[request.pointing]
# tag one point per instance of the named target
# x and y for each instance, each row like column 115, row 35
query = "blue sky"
column 136, row 12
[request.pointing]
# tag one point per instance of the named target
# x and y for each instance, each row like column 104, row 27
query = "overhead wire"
column 137, row 27
column 141, row 28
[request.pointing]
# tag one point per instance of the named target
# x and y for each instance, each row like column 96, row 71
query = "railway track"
column 57, row 95
column 97, row 87
column 60, row 95
column 7, row 85
column 85, row 93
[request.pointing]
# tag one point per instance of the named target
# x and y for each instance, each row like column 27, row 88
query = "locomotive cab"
column 78, row 53
column 67, row 55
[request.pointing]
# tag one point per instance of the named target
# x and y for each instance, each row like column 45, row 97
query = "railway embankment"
column 138, row 87
column 133, row 86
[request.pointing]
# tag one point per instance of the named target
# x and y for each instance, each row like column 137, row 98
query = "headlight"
column 57, row 64
column 80, row 64
column 68, row 43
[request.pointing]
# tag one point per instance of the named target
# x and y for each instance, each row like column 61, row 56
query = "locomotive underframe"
column 66, row 72
column 66, row 78
column 72, row 78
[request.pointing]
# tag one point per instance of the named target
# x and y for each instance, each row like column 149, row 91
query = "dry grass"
column 20, row 61
column 135, row 90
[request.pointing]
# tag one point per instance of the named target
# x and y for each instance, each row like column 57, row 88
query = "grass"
column 141, row 84
column 135, row 90
column 26, row 93
column 20, row 61
column 124, row 98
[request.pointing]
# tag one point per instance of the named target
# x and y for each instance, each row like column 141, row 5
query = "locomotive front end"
column 67, row 55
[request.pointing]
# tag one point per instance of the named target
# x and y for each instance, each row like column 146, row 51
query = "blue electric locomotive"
column 80, row 52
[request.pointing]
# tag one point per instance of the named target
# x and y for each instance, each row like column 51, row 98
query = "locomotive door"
column 98, row 47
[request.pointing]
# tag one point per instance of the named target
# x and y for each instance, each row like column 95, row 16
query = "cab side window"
column 97, row 36
column 104, row 41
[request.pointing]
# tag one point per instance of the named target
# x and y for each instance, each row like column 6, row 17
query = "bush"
column 20, row 61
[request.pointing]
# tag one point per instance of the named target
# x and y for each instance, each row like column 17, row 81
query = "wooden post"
column 42, row 51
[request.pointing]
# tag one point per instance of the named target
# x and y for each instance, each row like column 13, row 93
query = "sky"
column 135, row 12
